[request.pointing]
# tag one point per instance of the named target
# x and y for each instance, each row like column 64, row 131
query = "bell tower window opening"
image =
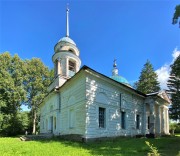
column 56, row 67
column 72, row 68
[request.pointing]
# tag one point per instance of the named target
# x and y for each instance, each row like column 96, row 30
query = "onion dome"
column 117, row 77
column 120, row 79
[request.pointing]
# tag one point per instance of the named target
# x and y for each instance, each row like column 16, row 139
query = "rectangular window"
column 54, row 122
column 123, row 119
column 71, row 119
column 101, row 117
column 137, row 121
column 46, row 124
column 148, row 122
column 43, row 124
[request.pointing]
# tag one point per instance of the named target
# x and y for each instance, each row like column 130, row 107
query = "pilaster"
column 167, row 121
column 67, row 68
column 162, row 120
column 58, row 66
column 158, row 119
column 152, row 118
column 144, row 124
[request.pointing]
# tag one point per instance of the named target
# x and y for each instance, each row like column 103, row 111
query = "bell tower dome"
column 66, row 58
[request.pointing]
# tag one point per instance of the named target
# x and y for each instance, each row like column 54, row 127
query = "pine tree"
column 174, row 89
column 148, row 80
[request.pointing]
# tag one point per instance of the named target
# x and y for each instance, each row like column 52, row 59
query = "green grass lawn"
column 167, row 146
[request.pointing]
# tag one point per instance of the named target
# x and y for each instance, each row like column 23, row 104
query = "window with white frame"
column 102, row 117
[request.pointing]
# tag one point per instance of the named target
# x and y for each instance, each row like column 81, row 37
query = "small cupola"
column 117, row 77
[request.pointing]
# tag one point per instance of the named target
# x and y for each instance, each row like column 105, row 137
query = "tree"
column 174, row 89
column 148, row 80
column 176, row 15
column 37, row 79
column 12, row 93
column 21, row 82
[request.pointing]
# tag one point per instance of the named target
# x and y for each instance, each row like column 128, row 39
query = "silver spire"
column 67, row 21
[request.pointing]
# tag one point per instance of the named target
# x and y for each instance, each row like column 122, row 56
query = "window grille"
column 101, row 117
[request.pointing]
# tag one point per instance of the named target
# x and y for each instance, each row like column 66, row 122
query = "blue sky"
column 131, row 31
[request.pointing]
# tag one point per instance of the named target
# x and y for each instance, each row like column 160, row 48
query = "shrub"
column 177, row 130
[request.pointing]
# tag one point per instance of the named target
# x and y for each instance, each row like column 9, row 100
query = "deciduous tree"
column 37, row 79
column 12, row 93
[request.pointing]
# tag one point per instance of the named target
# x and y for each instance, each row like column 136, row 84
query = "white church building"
column 86, row 103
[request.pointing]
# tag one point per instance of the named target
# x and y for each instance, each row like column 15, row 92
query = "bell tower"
column 66, row 58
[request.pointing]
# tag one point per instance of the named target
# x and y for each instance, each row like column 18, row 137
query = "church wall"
column 72, row 118
column 100, row 93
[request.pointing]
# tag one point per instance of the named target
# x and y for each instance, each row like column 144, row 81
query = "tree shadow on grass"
column 124, row 146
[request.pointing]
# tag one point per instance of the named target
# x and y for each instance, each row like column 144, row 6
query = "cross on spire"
column 115, row 69
column 115, row 64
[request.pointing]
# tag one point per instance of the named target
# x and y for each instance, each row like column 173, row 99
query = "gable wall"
column 72, row 118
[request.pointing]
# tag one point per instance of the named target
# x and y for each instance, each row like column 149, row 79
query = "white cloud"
column 163, row 75
column 175, row 54
column 164, row 71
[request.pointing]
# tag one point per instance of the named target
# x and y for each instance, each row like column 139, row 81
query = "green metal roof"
column 119, row 79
